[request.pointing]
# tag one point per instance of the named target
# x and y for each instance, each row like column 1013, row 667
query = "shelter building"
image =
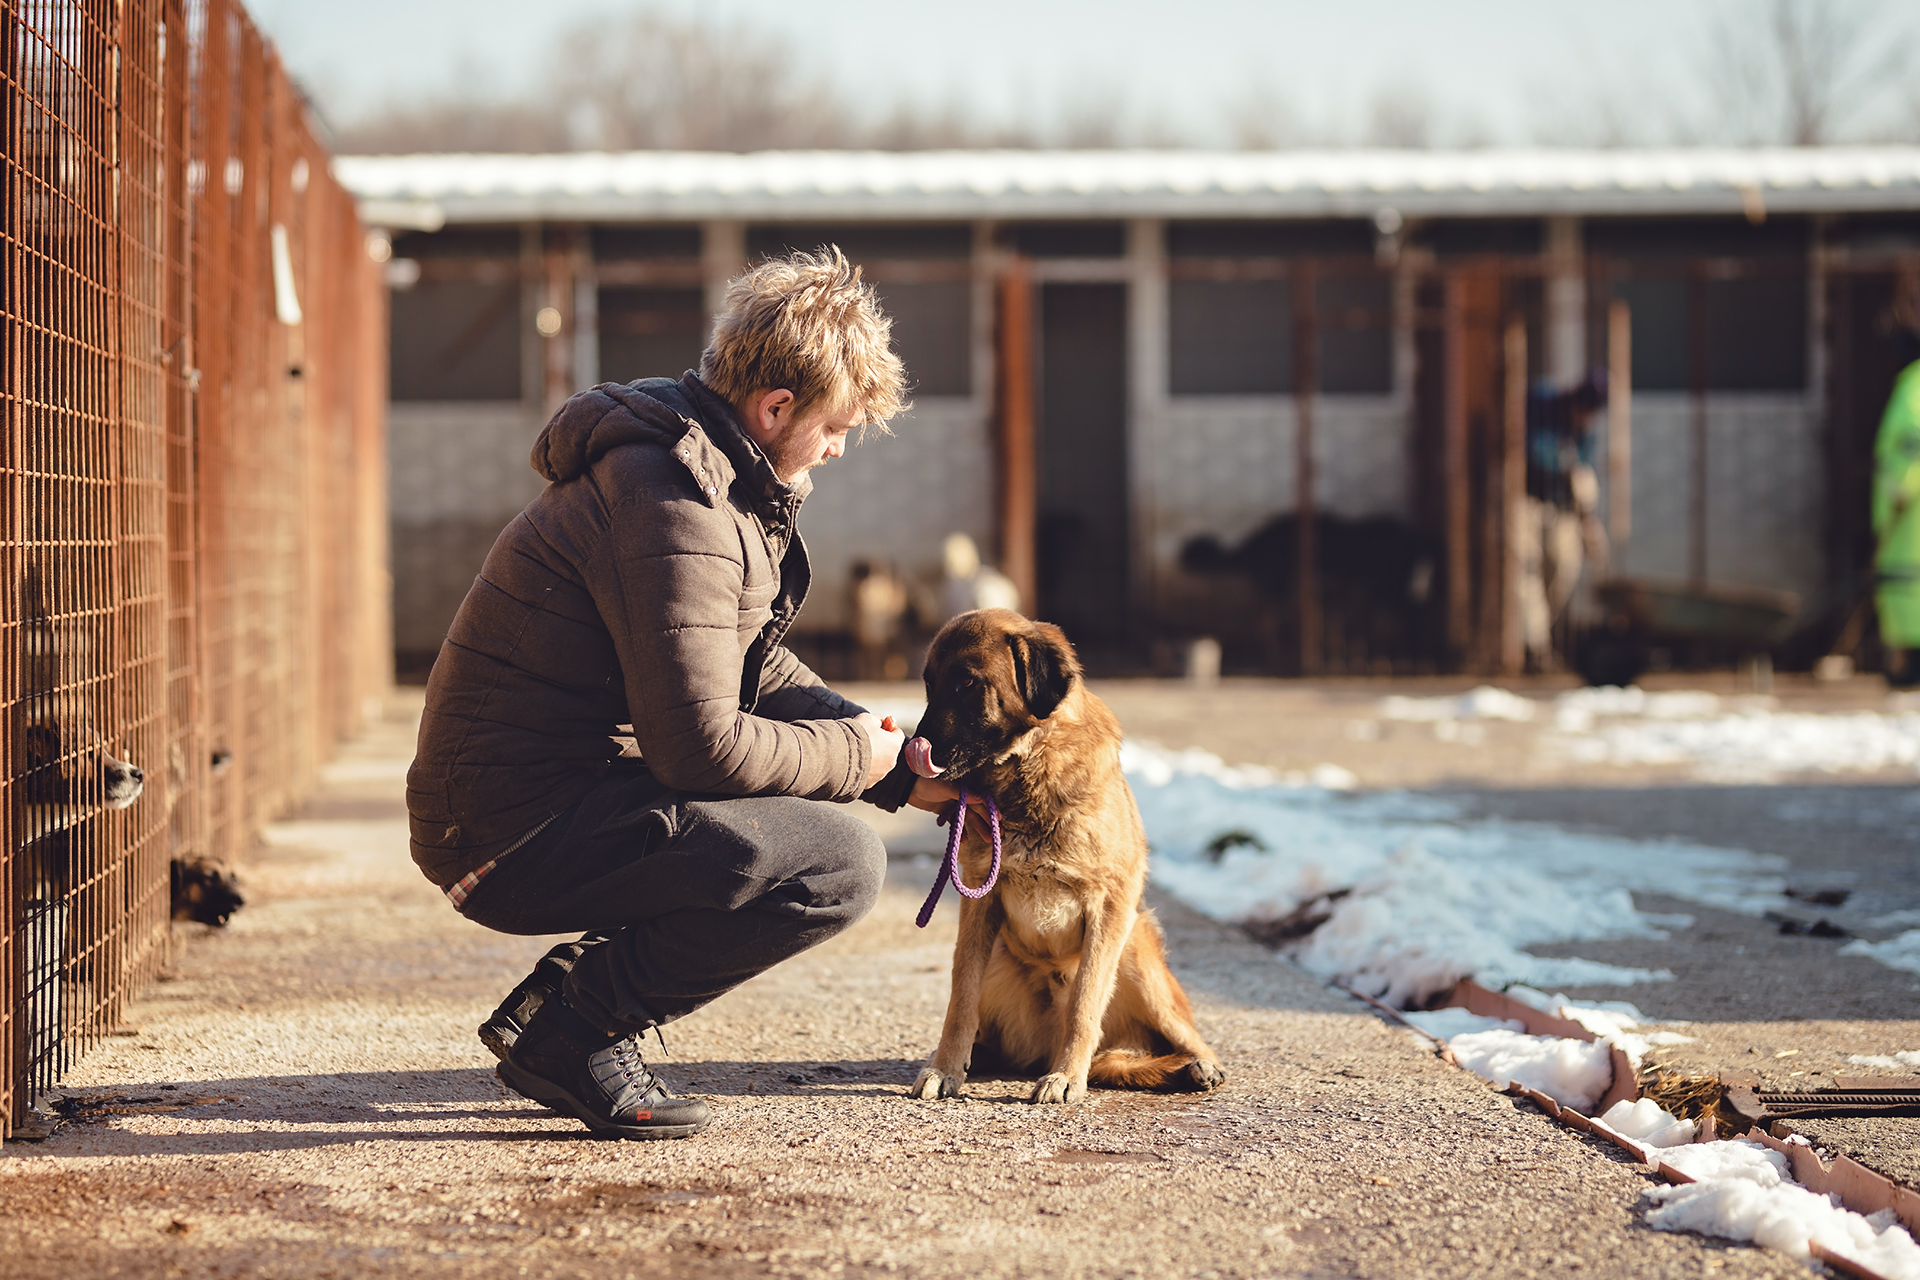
column 1134, row 371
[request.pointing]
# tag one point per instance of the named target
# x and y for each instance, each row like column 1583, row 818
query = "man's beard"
column 789, row 460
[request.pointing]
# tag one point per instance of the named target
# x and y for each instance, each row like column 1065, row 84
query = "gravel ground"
column 304, row 1096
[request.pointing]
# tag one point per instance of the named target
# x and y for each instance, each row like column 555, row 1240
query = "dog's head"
column 993, row 676
column 70, row 765
column 204, row 891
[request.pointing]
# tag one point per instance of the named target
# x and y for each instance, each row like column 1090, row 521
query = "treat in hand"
column 919, row 754
column 889, row 725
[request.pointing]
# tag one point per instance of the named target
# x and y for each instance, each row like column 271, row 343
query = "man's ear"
column 1043, row 667
column 767, row 414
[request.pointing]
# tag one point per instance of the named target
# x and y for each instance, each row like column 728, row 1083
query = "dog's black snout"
column 137, row 774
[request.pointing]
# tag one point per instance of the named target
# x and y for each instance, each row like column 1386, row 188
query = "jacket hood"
column 662, row 411
column 603, row 418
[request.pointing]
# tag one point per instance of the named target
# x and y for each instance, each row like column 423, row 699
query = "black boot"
column 567, row 1063
column 500, row 1031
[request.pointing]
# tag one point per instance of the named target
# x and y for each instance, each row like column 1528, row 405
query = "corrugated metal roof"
column 799, row 185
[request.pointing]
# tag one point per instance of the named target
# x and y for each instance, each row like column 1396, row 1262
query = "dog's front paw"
column 1204, row 1075
column 1056, row 1087
column 932, row 1084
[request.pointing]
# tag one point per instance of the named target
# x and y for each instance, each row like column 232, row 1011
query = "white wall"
column 1766, row 486
column 893, row 498
column 1224, row 465
column 459, row 474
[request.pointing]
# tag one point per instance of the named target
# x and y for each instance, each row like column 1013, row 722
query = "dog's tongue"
column 920, row 758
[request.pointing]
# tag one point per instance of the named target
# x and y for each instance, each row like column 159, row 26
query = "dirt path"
column 306, row 1098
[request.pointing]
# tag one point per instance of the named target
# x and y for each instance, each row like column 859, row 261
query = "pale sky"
column 1493, row 70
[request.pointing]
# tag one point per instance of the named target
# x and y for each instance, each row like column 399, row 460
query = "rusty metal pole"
column 1619, row 422
column 13, row 1041
column 1454, row 467
column 212, row 344
column 1697, row 423
column 1017, row 483
column 1306, row 387
column 186, row 747
column 1513, row 494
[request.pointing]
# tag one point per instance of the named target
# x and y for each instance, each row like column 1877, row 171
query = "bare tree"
column 650, row 82
column 1261, row 119
column 453, row 123
column 1400, row 116
column 645, row 82
column 1804, row 73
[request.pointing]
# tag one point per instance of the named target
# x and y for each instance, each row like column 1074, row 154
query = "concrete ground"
column 304, row 1094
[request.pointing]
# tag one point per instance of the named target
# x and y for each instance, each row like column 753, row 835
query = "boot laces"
column 619, row 1068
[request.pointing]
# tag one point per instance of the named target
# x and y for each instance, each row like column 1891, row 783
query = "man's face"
column 796, row 445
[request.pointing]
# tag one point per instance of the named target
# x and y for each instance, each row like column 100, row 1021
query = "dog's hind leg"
column 980, row 920
column 1150, row 1014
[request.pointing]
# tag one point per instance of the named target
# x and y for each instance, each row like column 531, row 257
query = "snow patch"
column 1746, row 739
column 1614, row 1021
column 1448, row 1023
column 1887, row 1061
column 1483, row 703
column 1744, row 1190
column 1576, row 710
column 1787, row 1217
column 1739, row 1159
column 1429, row 897
column 1571, row 1072
column 1648, row 1124
column 1902, row 952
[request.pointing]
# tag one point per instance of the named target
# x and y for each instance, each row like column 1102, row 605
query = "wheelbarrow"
column 1703, row 622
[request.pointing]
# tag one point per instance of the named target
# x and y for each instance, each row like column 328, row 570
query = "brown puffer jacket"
column 649, row 585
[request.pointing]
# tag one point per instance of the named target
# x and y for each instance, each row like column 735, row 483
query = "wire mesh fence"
column 192, row 489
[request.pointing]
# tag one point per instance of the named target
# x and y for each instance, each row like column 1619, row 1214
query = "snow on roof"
column 422, row 190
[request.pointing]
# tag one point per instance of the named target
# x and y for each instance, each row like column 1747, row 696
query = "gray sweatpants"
column 696, row 893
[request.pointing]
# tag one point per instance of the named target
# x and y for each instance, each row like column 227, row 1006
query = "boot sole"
column 498, row 1038
column 548, row 1094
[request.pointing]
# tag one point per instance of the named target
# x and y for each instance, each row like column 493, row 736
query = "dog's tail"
column 1133, row 1069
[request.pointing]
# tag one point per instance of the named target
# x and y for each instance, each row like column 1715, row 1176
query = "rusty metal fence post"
column 192, row 488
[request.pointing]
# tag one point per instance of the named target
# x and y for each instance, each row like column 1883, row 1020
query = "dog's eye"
column 964, row 681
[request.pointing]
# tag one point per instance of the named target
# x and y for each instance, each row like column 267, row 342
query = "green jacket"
column 1896, row 512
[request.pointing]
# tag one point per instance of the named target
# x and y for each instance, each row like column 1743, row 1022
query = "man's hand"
column 886, row 742
column 937, row 796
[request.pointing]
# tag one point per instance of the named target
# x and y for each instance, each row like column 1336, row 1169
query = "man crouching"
column 650, row 585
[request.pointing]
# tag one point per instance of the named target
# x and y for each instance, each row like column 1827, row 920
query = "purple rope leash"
column 950, row 865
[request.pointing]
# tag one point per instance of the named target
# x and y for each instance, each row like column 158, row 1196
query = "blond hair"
column 807, row 324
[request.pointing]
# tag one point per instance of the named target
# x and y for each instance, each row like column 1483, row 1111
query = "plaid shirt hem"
column 458, row 892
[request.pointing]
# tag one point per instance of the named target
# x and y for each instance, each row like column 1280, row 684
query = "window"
column 1756, row 326
column 650, row 333
column 455, row 335
column 932, row 334
column 872, row 242
column 1757, row 333
column 1230, row 337
column 629, row 244
column 456, row 340
column 1235, row 337
column 1319, row 237
column 1356, row 334
column 1658, row 308
column 1066, row 239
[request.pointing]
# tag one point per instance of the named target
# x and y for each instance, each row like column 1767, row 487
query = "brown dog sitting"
column 1059, row 968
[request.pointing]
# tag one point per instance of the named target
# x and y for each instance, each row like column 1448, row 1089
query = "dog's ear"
column 1043, row 667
